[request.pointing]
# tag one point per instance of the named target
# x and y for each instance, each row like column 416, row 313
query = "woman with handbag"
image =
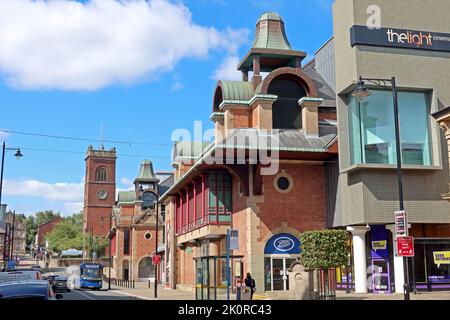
column 250, row 282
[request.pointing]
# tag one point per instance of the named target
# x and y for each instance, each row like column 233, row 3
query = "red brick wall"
column 303, row 208
column 94, row 208
column 46, row 229
column 240, row 118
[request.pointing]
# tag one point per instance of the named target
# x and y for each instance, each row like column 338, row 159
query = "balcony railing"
column 212, row 218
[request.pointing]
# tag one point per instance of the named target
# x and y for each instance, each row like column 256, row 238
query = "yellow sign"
column 441, row 257
column 379, row 245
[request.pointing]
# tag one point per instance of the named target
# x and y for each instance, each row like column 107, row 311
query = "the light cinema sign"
column 400, row 38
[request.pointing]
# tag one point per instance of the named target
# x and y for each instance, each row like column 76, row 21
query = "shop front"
column 431, row 264
column 280, row 252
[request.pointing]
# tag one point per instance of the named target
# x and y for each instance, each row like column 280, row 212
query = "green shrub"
column 324, row 249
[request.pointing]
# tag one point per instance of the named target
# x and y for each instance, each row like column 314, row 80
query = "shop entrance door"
column 279, row 272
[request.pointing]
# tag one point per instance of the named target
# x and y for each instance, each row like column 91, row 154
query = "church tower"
column 99, row 190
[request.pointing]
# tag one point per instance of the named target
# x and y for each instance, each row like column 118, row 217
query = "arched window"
column 101, row 174
column 286, row 112
column 146, row 268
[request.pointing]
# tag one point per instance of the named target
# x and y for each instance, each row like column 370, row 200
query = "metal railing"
column 324, row 285
column 130, row 284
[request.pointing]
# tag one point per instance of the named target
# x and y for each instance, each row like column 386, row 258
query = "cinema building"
column 291, row 107
column 412, row 45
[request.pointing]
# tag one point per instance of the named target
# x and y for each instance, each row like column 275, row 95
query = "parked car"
column 50, row 278
column 28, row 290
column 15, row 276
column 60, row 284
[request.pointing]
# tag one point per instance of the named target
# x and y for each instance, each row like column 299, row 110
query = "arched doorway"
column 146, row 269
column 280, row 252
column 125, row 270
column 286, row 112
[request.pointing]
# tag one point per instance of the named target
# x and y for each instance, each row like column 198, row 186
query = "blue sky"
column 138, row 84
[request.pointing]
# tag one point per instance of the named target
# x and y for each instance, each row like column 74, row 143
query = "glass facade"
column 372, row 128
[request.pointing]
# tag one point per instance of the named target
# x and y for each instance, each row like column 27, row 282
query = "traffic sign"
column 405, row 246
column 401, row 223
column 156, row 259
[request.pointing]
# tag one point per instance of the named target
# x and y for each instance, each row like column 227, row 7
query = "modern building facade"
column 285, row 108
column 412, row 44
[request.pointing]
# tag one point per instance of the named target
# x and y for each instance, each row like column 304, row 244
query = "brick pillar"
column 445, row 124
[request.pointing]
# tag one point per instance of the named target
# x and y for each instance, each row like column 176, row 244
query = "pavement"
column 119, row 293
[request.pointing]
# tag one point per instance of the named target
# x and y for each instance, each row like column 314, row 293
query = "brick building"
column 45, row 229
column 290, row 114
column 134, row 226
column 99, row 190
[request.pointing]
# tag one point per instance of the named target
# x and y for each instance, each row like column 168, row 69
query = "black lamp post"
column 156, row 240
column 18, row 155
column 361, row 92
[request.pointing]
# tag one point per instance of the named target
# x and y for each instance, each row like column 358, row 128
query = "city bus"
column 91, row 276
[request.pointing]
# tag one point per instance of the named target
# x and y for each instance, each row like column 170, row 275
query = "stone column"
column 359, row 257
column 398, row 263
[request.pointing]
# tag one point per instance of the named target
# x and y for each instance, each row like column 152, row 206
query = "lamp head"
column 18, row 154
column 361, row 92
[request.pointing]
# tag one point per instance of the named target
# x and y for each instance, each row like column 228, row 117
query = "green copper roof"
column 273, row 35
column 270, row 15
column 146, row 173
column 127, row 196
column 237, row 90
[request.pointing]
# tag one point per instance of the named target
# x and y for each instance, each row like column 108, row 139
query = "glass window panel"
column 372, row 128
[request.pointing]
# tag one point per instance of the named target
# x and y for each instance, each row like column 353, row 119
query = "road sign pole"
column 228, row 265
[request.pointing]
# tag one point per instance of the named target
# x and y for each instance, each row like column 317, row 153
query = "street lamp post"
column 361, row 92
column 18, row 155
column 156, row 240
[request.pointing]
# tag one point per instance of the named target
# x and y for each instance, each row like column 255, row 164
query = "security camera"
column 367, row 227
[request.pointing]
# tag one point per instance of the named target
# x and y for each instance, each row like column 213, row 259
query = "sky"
column 130, row 71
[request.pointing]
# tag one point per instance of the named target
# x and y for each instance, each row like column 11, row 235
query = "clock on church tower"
column 100, row 189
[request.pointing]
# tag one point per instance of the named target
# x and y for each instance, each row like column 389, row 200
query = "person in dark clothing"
column 250, row 282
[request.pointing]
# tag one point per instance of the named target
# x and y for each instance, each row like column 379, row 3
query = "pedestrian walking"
column 250, row 282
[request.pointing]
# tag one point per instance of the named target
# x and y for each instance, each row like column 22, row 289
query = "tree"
column 324, row 249
column 67, row 234
column 45, row 216
column 33, row 222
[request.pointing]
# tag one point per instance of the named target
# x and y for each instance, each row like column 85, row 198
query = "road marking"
column 85, row 295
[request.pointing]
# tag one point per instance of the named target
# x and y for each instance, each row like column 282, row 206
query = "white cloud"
column 64, row 192
column 228, row 69
column 127, row 182
column 71, row 45
column 177, row 86
column 72, row 207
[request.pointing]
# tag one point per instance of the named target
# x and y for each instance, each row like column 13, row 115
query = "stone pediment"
column 147, row 217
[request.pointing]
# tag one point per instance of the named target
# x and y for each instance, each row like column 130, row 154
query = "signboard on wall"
column 441, row 257
column 400, row 38
column 405, row 246
column 283, row 243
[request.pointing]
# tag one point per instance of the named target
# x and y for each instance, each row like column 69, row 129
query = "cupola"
column 271, row 49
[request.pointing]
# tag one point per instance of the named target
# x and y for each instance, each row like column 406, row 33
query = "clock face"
column 102, row 194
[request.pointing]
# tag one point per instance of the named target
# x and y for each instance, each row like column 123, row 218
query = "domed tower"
column 271, row 49
column 146, row 185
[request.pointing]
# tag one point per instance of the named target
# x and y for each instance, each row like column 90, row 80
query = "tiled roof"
column 270, row 37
